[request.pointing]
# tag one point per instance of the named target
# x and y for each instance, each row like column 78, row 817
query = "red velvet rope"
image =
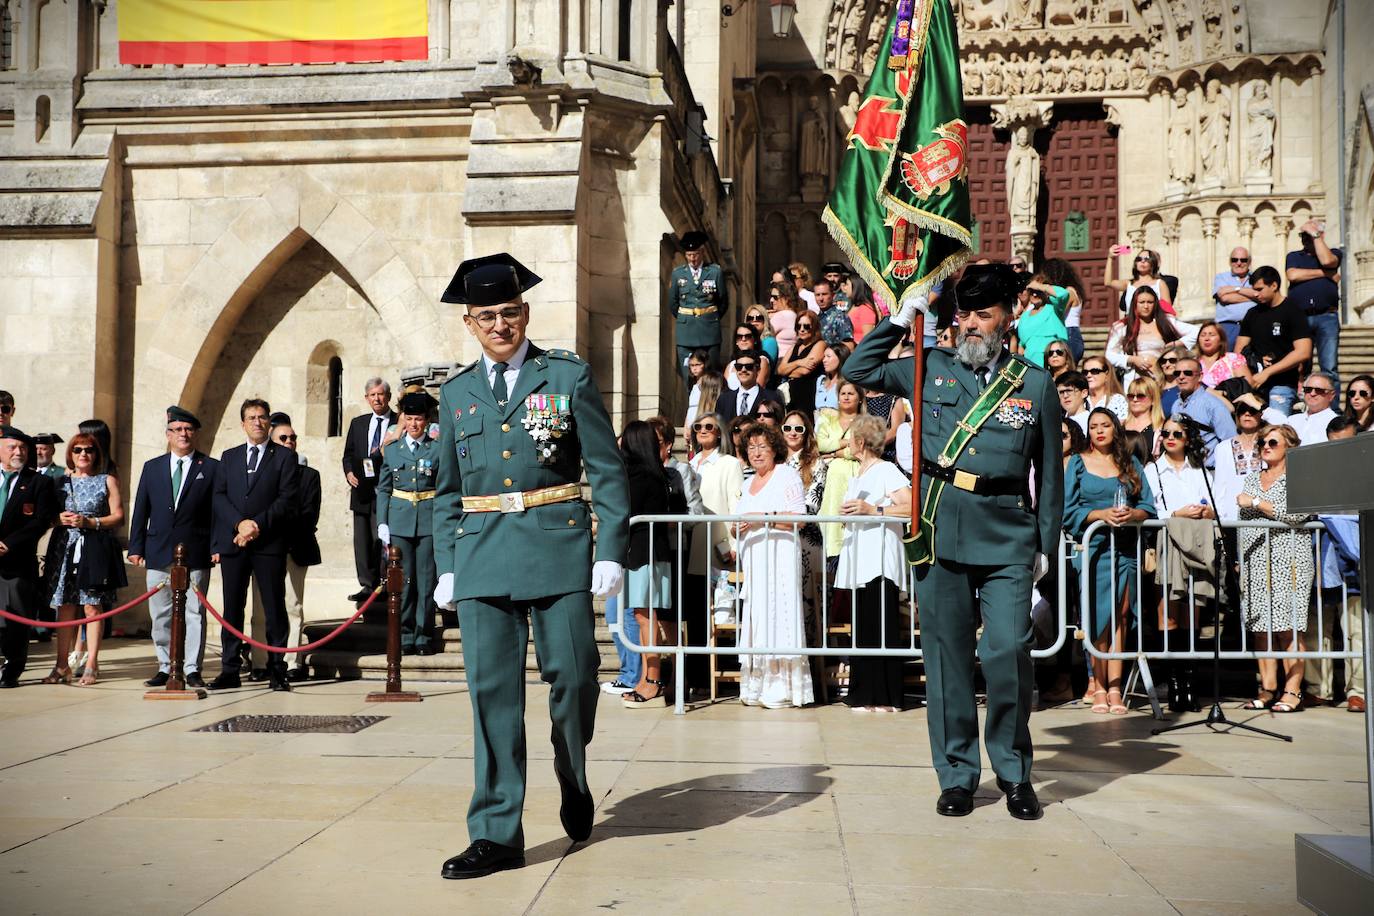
column 289, row 649
column 81, row 621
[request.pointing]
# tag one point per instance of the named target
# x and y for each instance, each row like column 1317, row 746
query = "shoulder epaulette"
column 569, row 355
column 471, row 365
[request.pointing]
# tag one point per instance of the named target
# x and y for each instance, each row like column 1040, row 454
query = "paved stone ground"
column 110, row 804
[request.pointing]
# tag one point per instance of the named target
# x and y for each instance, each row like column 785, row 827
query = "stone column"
column 1169, row 255
column 1247, row 225
column 1283, row 228
column 1210, row 226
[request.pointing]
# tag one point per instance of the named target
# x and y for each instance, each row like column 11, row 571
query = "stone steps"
column 1356, row 351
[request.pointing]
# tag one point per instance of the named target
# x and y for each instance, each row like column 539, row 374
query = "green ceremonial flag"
column 900, row 208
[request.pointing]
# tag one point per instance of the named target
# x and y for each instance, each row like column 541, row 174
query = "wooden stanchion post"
column 179, row 580
column 395, row 588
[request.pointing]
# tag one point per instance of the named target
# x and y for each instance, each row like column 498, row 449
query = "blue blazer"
column 271, row 499
column 156, row 527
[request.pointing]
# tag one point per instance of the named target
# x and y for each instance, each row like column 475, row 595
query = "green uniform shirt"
column 1024, row 431
column 409, row 472
column 487, row 450
column 705, row 291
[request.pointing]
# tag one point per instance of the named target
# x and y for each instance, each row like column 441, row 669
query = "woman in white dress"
column 770, row 557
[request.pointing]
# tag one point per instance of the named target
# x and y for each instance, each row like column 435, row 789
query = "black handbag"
column 101, row 567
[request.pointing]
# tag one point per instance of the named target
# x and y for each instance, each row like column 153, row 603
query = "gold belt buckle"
column 511, row 502
column 963, row 480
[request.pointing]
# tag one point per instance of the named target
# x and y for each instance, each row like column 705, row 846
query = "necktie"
column 376, row 433
column 4, row 489
column 744, row 403
column 412, row 445
column 176, row 481
column 252, row 458
column 983, row 378
column 498, row 384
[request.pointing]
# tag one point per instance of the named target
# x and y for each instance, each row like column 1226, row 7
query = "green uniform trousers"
column 495, row 636
column 948, row 594
column 417, row 559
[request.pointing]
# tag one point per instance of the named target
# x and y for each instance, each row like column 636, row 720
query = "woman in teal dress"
column 1107, row 484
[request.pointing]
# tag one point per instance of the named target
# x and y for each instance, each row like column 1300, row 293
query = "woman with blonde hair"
column 832, row 439
column 783, row 309
column 756, row 316
column 1144, row 414
column 705, row 394
column 801, row 279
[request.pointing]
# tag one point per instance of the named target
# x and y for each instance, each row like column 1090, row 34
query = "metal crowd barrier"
column 1198, row 608
column 680, row 538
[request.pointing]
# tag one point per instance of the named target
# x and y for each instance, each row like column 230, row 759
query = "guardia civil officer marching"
column 989, row 416
column 513, row 546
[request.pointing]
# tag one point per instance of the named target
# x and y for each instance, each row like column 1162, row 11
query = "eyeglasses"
column 755, row 319
column 744, row 335
column 745, row 367
column 6, row 408
column 1247, row 410
column 1272, row 443
column 1138, row 396
column 83, row 450
column 792, row 428
column 288, row 438
column 1016, row 265
column 181, row 430
column 773, row 297
column 1187, row 373
column 1067, row 392
column 806, row 327
column 705, row 427
column 1360, row 393
column 1168, row 360
column 1240, row 260
column 765, row 414
column 1095, row 371
column 1056, row 352
column 1172, row 434
column 1313, row 389
column 1064, row 434
column 763, row 447
column 1142, row 258
column 487, row 320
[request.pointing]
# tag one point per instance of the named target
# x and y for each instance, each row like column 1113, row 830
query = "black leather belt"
column 979, row 485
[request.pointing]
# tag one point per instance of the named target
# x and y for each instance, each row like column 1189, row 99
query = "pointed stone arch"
column 186, row 344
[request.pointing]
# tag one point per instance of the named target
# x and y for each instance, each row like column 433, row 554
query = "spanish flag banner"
column 271, row 31
column 900, row 207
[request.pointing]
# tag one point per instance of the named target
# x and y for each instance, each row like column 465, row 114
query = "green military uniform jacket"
column 545, row 550
column 55, row 471
column 973, row 528
column 409, row 473
column 707, row 291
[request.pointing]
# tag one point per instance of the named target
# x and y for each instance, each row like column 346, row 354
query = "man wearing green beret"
column 405, row 512
column 698, row 300
column 983, row 535
column 513, row 545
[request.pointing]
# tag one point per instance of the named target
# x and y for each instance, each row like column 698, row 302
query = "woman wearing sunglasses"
column 1176, row 478
column 783, row 311
column 1058, row 358
column 1144, row 273
column 1237, row 457
column 1042, row 322
column 1359, row 402
column 702, row 400
column 832, row 439
column 85, row 535
column 1144, row 415
column 804, row 458
column 801, row 365
column 757, row 318
column 1104, row 388
column 1135, row 342
column 747, row 340
column 1276, row 572
column 1219, row 364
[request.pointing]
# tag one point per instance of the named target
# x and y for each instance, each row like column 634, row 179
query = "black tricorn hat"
column 48, row 439
column 990, row 284
column 693, row 240
column 13, row 432
column 418, row 403
column 177, row 414
column 834, row 267
column 493, row 280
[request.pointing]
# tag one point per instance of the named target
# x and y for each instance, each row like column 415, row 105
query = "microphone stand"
column 1216, row 716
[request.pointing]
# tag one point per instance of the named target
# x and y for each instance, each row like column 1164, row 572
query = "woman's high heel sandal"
column 1261, row 702
column 58, row 677
column 636, row 700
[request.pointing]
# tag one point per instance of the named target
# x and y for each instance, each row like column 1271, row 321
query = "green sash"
column 920, row 546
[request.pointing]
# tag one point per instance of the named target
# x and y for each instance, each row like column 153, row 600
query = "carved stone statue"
column 992, row 75
column 1097, row 71
column 847, row 115
column 1077, row 79
column 1182, row 147
column 1015, row 80
column 1259, row 131
column 1140, row 67
column 1055, row 69
column 983, row 14
column 1034, row 77
column 1023, row 180
column 849, row 38
column 1024, row 14
column 1214, row 131
column 1062, row 13
column 973, row 76
column 813, row 143
column 1118, row 71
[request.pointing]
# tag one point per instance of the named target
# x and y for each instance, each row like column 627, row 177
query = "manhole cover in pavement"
column 313, row 725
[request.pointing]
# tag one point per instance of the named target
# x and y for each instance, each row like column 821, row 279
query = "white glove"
column 384, row 534
column 443, row 592
column 910, row 307
column 606, row 575
column 1040, row 567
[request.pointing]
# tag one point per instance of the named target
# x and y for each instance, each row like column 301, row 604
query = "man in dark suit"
column 302, row 552
column 256, row 501
column 174, row 505
column 28, row 504
column 362, row 466
column 745, row 402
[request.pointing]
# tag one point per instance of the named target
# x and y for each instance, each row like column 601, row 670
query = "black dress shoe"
column 298, row 674
column 483, row 858
column 194, row 680
column 424, row 650
column 360, row 595
column 1021, row 801
column 955, row 802
column 276, row 679
column 576, row 812
column 257, row 675
column 408, row 650
column 227, row 680
column 158, row 680
column 9, row 683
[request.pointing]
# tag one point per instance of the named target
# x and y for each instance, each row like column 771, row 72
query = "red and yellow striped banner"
column 271, row 31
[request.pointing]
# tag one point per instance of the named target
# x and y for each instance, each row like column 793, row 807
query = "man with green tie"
column 988, row 417
column 405, row 512
column 513, row 546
